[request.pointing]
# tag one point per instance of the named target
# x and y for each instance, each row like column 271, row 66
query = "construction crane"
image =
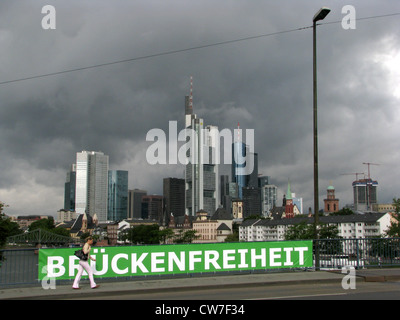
column 368, row 164
column 352, row 173
column 369, row 184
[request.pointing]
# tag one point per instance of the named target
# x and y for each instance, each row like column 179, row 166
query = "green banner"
column 128, row 261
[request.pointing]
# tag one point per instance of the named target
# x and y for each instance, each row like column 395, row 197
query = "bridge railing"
column 358, row 253
column 19, row 267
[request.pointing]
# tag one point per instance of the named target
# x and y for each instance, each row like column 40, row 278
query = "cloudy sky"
column 264, row 83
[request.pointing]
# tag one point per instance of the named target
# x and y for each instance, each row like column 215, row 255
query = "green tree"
column 166, row 234
column 2, row 206
column 48, row 225
column 143, row 234
column 234, row 237
column 342, row 212
column 186, row 236
column 61, row 232
column 304, row 231
column 394, row 229
column 84, row 236
column 45, row 224
column 7, row 227
column 300, row 231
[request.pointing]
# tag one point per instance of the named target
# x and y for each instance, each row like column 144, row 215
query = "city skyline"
column 264, row 83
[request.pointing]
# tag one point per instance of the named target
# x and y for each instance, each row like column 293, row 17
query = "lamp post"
column 320, row 15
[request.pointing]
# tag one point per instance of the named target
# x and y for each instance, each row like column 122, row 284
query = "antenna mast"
column 191, row 93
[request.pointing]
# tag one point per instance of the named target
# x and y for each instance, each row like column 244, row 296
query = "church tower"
column 331, row 204
column 84, row 223
column 289, row 207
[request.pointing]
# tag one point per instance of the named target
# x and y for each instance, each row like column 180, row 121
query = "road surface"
column 326, row 291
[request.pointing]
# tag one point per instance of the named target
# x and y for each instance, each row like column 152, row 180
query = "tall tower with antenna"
column 238, row 163
column 201, row 175
column 189, row 106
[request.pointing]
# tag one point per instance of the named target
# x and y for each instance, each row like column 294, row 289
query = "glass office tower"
column 117, row 195
column 91, row 183
column 238, row 165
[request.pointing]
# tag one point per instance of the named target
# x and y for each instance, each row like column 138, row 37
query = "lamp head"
column 321, row 14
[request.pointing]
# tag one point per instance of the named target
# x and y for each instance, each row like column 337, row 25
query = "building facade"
column 201, row 171
column 91, row 190
column 238, row 165
column 69, row 189
column 237, row 209
column 174, row 196
column 289, row 205
column 365, row 193
column 135, row 203
column 117, row 195
column 366, row 225
column 331, row 204
column 152, row 207
column 268, row 199
column 214, row 228
column 251, row 201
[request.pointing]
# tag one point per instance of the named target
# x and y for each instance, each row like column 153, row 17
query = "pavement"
column 108, row 288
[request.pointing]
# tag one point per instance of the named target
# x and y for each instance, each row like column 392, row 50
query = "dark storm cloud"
column 265, row 84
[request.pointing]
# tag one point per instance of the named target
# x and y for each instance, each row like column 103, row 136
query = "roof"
column 77, row 223
column 221, row 214
column 250, row 222
column 223, row 226
column 66, row 224
column 277, row 212
column 370, row 217
column 181, row 219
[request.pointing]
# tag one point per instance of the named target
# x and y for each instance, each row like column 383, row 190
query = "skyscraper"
column 91, row 183
column 365, row 194
column 152, row 207
column 69, row 189
column 201, row 172
column 174, row 196
column 117, row 195
column 238, row 154
column 268, row 195
column 244, row 160
column 135, row 203
column 251, row 201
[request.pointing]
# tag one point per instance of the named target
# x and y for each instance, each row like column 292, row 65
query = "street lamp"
column 320, row 15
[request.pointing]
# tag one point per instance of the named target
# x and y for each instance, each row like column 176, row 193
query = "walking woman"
column 84, row 265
